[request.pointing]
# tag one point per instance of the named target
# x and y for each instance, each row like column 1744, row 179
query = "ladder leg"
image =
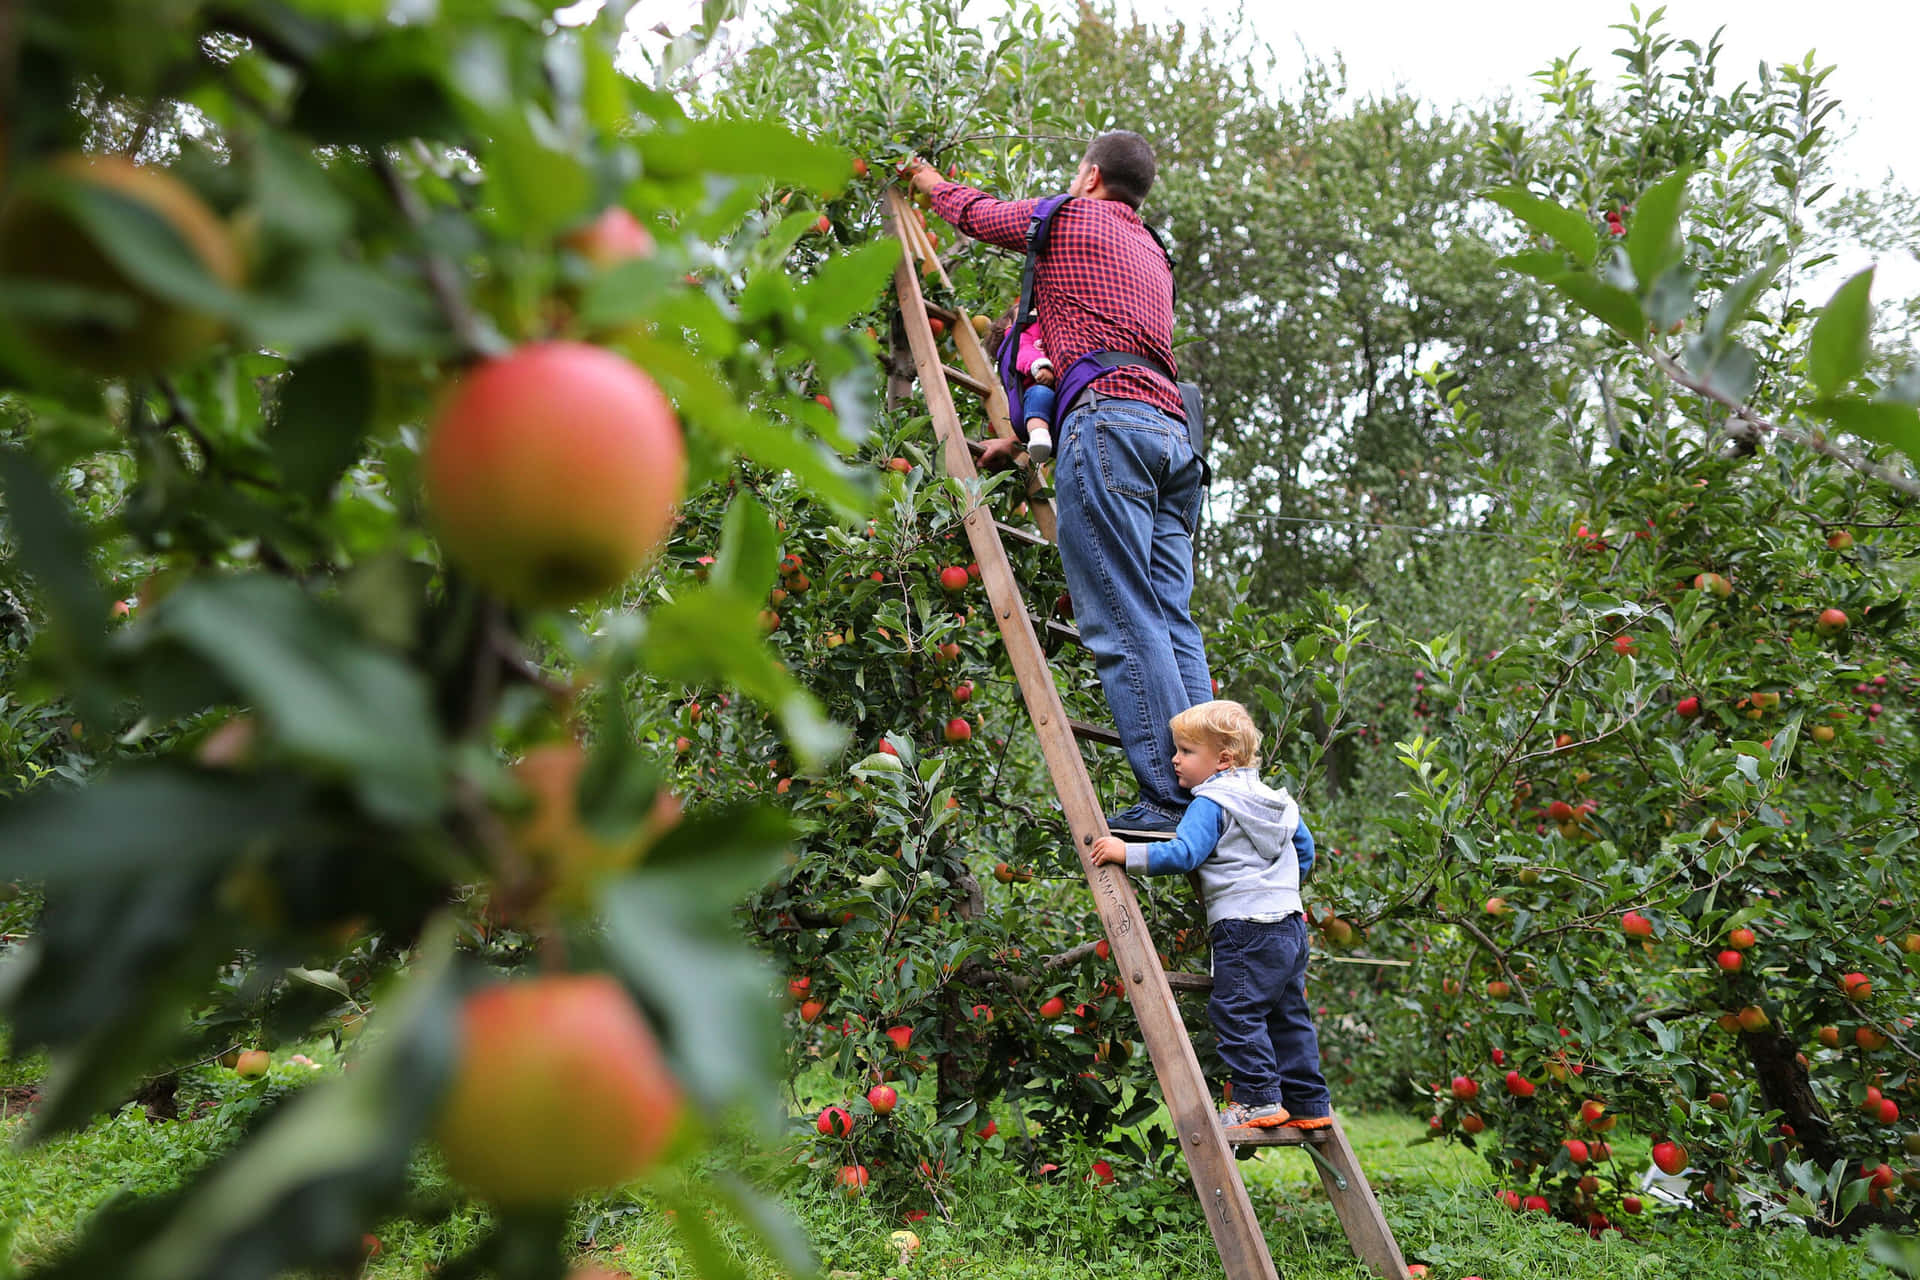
column 1359, row 1213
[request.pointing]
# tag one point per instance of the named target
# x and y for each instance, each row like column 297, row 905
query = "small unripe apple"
column 1839, row 540
column 552, row 472
column 560, row 1089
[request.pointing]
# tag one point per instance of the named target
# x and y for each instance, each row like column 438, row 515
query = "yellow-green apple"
column 552, row 472
column 251, row 1064
column 43, row 243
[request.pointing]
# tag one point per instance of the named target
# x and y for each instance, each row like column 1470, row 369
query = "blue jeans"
column 1127, row 489
column 1035, row 402
column 1259, row 1015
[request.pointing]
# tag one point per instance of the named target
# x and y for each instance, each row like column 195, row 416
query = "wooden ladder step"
column 1016, row 534
column 1280, row 1137
column 1190, row 981
column 946, row 314
column 1088, row 732
column 960, row 377
column 1053, row 633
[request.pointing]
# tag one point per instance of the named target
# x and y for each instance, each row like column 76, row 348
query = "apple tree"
column 354, row 370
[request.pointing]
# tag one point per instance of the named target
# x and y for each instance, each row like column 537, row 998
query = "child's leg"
column 1296, row 1045
column 1036, row 405
column 1241, row 1007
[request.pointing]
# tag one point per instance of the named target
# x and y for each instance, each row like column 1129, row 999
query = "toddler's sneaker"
column 1310, row 1122
column 1237, row 1115
column 1039, row 445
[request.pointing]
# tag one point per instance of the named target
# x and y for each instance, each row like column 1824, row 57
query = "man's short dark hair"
column 1126, row 165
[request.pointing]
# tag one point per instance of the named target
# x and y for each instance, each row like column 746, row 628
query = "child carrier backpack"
column 1082, row 373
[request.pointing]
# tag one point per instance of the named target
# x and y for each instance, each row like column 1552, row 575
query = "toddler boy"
column 1251, row 849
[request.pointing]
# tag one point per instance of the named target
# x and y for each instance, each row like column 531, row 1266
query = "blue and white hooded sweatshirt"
column 1237, row 834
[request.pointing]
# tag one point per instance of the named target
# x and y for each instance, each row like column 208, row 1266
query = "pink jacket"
column 1030, row 351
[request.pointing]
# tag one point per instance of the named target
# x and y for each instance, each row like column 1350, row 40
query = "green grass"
column 1437, row 1199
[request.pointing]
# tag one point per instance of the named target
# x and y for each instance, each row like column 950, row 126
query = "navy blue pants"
column 1259, row 1014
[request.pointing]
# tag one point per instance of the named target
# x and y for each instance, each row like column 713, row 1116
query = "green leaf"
column 749, row 558
column 1843, row 336
column 847, row 284
column 1616, row 307
column 1730, row 311
column 751, row 147
column 328, row 697
column 1653, row 241
column 142, row 817
column 539, row 190
column 50, row 546
column 320, row 420
column 1567, row 228
column 1729, row 371
column 670, row 934
column 713, row 636
column 293, row 1193
column 1894, row 424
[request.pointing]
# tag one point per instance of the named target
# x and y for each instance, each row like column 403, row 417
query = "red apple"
column 1576, row 1150
column 1497, row 907
column 1102, row 1172
column 958, row 730
column 1498, row 989
column 1053, row 1007
column 1519, row 1086
column 811, row 1010
column 852, row 1179
column 954, row 578
column 552, row 472
column 1635, row 925
column 823, row 224
column 1669, row 1157
column 835, row 1122
column 798, row 987
column 1630, row 1204
column 1857, row 987
column 1830, row 1037
column 1740, row 939
column 560, row 1088
column 1730, row 961
column 1753, row 1018
column 1831, row 622
column 1536, row 1204
column 1687, row 708
column 901, row 1037
column 1465, row 1089
column 882, row 1098
column 963, row 692
column 1472, row 1123
column 614, row 237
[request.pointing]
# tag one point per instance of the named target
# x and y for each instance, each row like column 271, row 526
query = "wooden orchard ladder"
column 1210, row 1158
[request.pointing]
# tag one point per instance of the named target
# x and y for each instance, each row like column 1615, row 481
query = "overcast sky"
column 1468, row 50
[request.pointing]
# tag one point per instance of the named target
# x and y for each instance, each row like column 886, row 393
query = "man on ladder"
column 1128, row 483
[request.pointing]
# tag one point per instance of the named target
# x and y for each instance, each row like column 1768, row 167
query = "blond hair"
column 1223, row 725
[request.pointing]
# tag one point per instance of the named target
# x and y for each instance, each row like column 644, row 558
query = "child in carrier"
column 1036, row 379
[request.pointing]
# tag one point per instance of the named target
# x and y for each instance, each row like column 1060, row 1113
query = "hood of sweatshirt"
column 1268, row 815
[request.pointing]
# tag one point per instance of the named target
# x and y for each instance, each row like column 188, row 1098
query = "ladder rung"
column 961, row 377
column 1190, row 981
column 1280, row 1137
column 1094, row 732
column 947, row 314
column 1018, row 534
column 1055, row 631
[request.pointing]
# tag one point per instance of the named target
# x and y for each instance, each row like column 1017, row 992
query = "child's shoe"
column 1039, row 444
column 1310, row 1122
column 1237, row 1115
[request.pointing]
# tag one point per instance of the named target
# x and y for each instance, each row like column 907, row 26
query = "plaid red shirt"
column 1102, row 286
